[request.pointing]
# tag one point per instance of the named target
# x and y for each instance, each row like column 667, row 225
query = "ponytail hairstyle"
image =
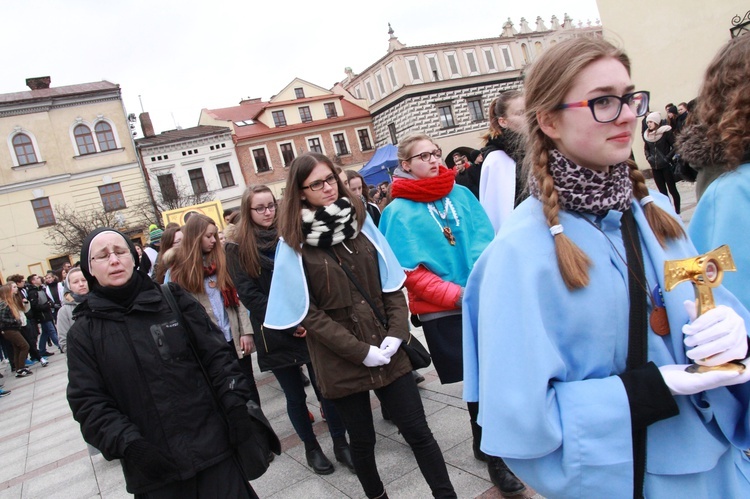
column 546, row 85
column 190, row 260
column 245, row 235
column 499, row 109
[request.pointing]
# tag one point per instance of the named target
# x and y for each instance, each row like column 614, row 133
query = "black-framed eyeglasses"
column 425, row 156
column 262, row 209
column 318, row 184
column 607, row 108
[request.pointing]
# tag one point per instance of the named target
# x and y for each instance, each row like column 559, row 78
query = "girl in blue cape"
column 571, row 343
column 352, row 351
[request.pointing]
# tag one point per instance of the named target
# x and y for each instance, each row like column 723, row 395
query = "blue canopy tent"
column 379, row 168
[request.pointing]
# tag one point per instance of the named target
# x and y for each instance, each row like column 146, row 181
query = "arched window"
column 84, row 140
column 526, row 55
column 24, row 149
column 105, row 136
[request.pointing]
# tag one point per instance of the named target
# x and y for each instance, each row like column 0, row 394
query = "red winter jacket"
column 428, row 293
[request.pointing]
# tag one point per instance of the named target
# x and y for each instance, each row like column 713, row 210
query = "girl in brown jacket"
column 352, row 351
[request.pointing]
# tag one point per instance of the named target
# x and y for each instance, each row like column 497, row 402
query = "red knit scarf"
column 424, row 190
column 229, row 294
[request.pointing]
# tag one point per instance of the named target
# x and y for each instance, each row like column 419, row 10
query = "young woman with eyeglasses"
column 437, row 230
column 571, row 342
column 250, row 257
column 352, row 351
column 200, row 269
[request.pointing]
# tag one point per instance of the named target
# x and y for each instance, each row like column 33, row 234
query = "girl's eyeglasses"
column 607, row 108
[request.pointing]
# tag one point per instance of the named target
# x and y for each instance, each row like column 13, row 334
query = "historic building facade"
column 68, row 150
column 191, row 165
column 444, row 89
column 302, row 117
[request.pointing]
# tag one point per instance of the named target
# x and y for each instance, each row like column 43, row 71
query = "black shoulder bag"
column 417, row 353
column 252, row 454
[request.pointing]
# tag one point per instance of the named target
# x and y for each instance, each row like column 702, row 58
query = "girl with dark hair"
column 437, row 230
column 501, row 185
column 581, row 372
column 358, row 187
column 331, row 262
column 719, row 144
column 658, row 145
column 200, row 269
column 250, row 256
column 137, row 388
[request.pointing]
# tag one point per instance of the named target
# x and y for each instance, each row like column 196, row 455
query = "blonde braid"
column 571, row 260
column 664, row 226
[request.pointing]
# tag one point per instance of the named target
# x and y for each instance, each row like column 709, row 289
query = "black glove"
column 240, row 425
column 149, row 460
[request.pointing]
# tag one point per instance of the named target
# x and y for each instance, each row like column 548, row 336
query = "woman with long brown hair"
column 579, row 361
column 250, row 256
column 200, row 269
column 10, row 324
column 331, row 263
column 170, row 238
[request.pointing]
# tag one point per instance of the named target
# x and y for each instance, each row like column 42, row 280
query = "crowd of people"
column 535, row 267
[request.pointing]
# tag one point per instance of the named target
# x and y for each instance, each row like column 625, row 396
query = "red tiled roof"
column 351, row 112
column 247, row 110
column 67, row 90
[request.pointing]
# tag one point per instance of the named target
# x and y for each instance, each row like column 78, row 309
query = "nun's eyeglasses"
column 607, row 108
column 120, row 253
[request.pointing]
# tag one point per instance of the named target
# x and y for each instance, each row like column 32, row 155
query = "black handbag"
column 252, row 454
column 415, row 350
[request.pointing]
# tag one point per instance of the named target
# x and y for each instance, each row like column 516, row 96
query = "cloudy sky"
column 182, row 56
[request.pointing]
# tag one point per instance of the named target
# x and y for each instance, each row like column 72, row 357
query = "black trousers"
column 665, row 181
column 220, row 480
column 404, row 405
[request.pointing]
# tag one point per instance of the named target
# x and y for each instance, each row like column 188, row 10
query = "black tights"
column 665, row 181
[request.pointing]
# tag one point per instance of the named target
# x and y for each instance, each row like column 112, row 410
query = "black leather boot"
column 343, row 453
column 476, row 433
column 317, row 460
column 503, row 478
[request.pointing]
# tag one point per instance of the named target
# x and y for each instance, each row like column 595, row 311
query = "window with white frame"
column 225, row 175
column 475, row 108
column 105, row 136
column 381, row 84
column 287, row 152
column 365, row 144
column 197, row 181
column 261, row 160
column 24, row 149
column 84, row 140
column 434, row 67
column 489, row 59
column 471, row 62
column 340, row 143
column 446, row 115
column 452, row 63
column 392, row 76
column 370, row 93
column 314, row 144
column 526, row 54
column 358, row 91
column 507, row 57
column 413, row 64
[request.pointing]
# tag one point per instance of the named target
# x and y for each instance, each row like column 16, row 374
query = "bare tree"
column 180, row 197
column 73, row 225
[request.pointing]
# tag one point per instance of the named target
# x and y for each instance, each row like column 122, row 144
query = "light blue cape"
column 289, row 299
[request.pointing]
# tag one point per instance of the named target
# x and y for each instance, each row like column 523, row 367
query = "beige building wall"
column 670, row 43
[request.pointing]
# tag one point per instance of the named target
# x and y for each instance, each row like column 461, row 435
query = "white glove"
column 390, row 346
column 375, row 358
column 716, row 337
column 680, row 382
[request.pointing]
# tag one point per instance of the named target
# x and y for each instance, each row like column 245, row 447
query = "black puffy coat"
column 660, row 153
column 132, row 375
column 276, row 349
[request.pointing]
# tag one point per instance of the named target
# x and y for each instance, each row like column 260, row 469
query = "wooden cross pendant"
column 449, row 235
